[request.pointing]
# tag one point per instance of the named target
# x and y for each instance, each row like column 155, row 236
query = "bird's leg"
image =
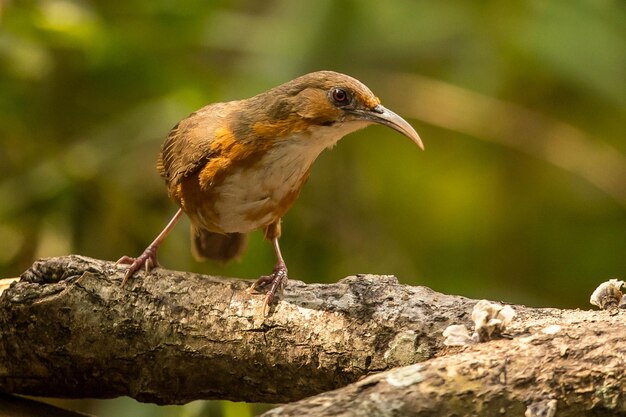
column 278, row 277
column 148, row 259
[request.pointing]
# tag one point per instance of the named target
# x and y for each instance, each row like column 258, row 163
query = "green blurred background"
column 520, row 195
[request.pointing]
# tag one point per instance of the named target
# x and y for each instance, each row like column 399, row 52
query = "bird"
column 238, row 166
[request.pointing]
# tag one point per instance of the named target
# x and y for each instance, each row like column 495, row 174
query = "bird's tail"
column 216, row 246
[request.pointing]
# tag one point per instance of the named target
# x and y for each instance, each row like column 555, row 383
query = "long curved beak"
column 384, row 116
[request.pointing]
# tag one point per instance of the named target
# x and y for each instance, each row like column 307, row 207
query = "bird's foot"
column 147, row 260
column 277, row 279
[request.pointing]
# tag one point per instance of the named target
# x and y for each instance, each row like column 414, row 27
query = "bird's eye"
column 340, row 96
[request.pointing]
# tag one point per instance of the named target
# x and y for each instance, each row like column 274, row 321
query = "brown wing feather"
column 192, row 146
column 188, row 145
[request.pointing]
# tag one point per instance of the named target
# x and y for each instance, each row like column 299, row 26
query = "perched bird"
column 238, row 166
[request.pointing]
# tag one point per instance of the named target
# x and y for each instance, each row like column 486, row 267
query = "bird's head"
column 325, row 103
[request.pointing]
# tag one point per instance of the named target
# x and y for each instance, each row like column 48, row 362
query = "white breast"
column 280, row 172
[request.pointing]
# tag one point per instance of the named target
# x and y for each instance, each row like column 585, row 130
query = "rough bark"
column 573, row 369
column 69, row 330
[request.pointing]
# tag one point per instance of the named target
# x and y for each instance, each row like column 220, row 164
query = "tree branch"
column 69, row 330
column 576, row 368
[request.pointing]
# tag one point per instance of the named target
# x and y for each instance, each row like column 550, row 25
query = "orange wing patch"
column 225, row 141
column 228, row 150
column 211, row 170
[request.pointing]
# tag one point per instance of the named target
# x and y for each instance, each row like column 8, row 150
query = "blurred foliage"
column 89, row 90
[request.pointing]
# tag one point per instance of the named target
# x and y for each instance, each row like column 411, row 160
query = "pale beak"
column 384, row 116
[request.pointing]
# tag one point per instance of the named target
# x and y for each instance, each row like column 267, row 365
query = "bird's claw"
column 277, row 279
column 147, row 259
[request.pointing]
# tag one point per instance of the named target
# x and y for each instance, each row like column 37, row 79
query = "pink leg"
column 277, row 279
column 148, row 259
